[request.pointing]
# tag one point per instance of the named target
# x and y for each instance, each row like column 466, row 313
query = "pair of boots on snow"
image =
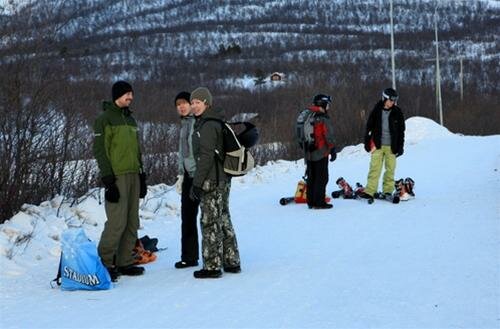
column 403, row 190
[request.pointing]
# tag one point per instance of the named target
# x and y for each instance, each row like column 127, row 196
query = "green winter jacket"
column 116, row 141
column 207, row 138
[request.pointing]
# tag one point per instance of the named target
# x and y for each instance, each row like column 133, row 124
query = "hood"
column 111, row 106
column 213, row 113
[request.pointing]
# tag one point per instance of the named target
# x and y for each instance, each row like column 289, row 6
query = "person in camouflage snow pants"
column 219, row 246
column 211, row 186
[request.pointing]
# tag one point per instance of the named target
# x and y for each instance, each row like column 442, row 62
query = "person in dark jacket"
column 212, row 186
column 116, row 149
column 187, row 168
column 316, row 155
column 384, row 139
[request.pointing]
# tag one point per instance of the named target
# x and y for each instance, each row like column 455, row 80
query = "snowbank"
column 419, row 128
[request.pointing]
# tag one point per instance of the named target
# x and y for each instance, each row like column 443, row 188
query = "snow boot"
column 207, row 274
column 409, row 184
column 399, row 190
column 347, row 190
column 131, row 270
column 184, row 264
column 232, row 269
column 113, row 273
column 323, row 206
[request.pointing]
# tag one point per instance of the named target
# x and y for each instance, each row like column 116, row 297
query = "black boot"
column 184, row 264
column 323, row 206
column 365, row 195
column 131, row 270
column 207, row 274
column 113, row 273
column 232, row 269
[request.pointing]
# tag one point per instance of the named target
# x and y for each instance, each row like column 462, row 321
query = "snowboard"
column 393, row 198
column 404, row 191
column 290, row 199
column 300, row 195
column 287, row 200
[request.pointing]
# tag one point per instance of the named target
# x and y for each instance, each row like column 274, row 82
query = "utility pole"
column 393, row 64
column 461, row 79
column 438, row 72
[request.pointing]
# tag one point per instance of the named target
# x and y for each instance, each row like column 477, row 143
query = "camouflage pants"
column 219, row 246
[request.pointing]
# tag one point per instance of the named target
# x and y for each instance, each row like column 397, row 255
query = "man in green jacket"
column 117, row 151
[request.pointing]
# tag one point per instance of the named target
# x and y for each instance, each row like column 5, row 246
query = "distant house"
column 276, row 76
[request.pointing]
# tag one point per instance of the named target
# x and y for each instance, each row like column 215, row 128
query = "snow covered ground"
column 432, row 262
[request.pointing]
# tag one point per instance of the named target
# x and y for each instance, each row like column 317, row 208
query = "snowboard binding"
column 345, row 191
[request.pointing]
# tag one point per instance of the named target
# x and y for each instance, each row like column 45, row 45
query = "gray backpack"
column 304, row 129
column 236, row 158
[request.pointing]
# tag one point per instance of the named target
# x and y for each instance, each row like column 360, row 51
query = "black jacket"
column 396, row 128
column 207, row 138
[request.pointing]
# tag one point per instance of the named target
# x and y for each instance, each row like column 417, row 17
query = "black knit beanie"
column 119, row 89
column 182, row 95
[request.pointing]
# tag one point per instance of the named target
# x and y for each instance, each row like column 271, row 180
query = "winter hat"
column 182, row 95
column 202, row 94
column 119, row 89
column 391, row 94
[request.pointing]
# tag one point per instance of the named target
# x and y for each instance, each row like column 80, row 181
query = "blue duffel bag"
column 80, row 267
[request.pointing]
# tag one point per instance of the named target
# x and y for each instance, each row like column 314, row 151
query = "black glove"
column 333, row 154
column 143, row 190
column 195, row 193
column 111, row 193
column 400, row 153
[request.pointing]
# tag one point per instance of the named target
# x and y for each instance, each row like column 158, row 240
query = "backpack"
column 304, row 129
column 144, row 249
column 80, row 267
column 237, row 159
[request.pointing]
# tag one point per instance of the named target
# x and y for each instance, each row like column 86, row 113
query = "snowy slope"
column 429, row 262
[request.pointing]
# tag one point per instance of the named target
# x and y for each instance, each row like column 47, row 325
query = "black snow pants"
column 189, row 228
column 317, row 178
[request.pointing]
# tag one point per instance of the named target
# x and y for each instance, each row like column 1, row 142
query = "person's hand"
column 178, row 183
column 111, row 193
column 195, row 193
column 143, row 189
column 400, row 153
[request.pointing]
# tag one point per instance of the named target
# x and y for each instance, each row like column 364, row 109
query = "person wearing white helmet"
column 384, row 139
